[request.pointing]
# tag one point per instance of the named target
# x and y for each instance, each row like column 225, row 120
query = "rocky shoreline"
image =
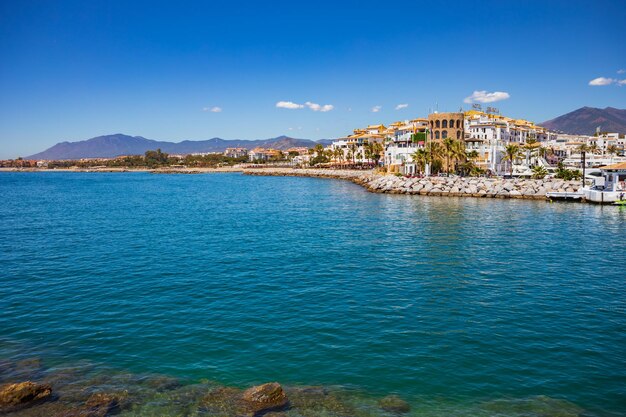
column 30, row 389
column 435, row 186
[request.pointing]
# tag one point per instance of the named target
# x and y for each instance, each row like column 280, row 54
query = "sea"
column 458, row 306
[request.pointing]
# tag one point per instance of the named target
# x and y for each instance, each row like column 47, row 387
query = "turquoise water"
column 448, row 302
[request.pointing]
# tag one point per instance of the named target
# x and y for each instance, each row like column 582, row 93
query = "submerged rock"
column 394, row 404
column 266, row 397
column 13, row 396
column 221, row 401
column 99, row 405
column 315, row 401
column 163, row 383
column 539, row 406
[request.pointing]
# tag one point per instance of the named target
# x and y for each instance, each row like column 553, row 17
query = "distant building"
column 263, row 154
column 236, row 152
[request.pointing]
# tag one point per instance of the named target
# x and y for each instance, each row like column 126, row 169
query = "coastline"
column 476, row 187
column 435, row 186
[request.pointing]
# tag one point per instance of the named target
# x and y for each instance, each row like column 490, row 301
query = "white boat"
column 610, row 187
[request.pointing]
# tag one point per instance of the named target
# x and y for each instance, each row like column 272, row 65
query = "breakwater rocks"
column 471, row 187
column 342, row 174
column 435, row 186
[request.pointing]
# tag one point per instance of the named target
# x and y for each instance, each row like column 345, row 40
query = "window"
column 451, row 124
column 458, row 134
column 437, row 132
column 437, row 125
column 444, row 133
column 444, row 124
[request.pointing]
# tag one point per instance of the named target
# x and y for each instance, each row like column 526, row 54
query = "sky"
column 72, row 70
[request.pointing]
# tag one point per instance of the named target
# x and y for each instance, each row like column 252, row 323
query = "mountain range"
column 110, row 146
column 585, row 120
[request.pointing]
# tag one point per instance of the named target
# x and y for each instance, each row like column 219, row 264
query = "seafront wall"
column 435, row 186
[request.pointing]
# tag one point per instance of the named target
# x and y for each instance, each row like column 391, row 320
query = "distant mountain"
column 585, row 120
column 110, row 146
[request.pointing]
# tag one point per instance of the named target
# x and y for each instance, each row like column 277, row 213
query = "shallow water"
column 459, row 305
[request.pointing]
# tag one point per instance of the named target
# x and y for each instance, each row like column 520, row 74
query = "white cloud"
column 601, row 81
column 313, row 106
column 401, row 106
column 317, row 107
column 621, row 71
column 485, row 97
column 621, row 82
column 214, row 109
column 288, row 105
column 376, row 109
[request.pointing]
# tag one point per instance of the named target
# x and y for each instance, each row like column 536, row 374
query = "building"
column 446, row 125
column 402, row 141
column 262, row 154
column 236, row 152
column 353, row 146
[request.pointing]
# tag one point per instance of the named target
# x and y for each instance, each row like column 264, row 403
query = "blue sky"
column 71, row 70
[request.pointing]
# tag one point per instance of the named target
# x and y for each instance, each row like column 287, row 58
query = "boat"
column 609, row 187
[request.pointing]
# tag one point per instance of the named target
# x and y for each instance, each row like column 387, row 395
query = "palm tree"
column 611, row 150
column 353, row 152
column 435, row 153
column 529, row 149
column 377, row 151
column 421, row 158
column 593, row 148
column 452, row 150
column 368, row 151
column 511, row 153
column 539, row 172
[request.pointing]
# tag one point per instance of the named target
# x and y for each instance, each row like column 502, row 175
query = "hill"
column 585, row 120
column 110, row 146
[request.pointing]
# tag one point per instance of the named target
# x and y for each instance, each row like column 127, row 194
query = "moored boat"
column 610, row 187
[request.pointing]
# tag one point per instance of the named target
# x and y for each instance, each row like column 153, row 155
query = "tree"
column 611, row 150
column 353, row 152
column 453, row 150
column 421, row 158
column 539, row 172
column 582, row 148
column 155, row 158
column 435, row 154
column 373, row 151
column 567, row 174
column 511, row 153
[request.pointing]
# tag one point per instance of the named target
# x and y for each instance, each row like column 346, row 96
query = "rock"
column 100, row 405
column 223, row 400
column 266, row 397
column 318, row 401
column 163, row 383
column 394, row 404
column 13, row 396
